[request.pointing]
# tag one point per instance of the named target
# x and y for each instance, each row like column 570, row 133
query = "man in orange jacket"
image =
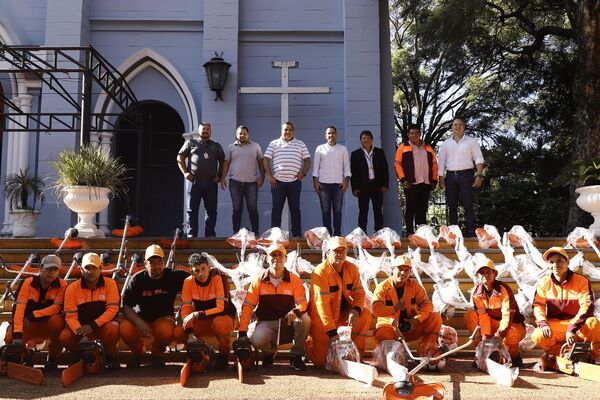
column 205, row 307
column 417, row 170
column 148, row 307
column 337, row 297
column 496, row 311
column 37, row 312
column 91, row 305
column 401, row 303
column 275, row 295
column 563, row 308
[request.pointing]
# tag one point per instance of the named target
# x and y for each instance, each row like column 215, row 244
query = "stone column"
column 11, row 144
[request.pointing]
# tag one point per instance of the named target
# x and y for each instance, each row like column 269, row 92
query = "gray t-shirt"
column 243, row 166
column 204, row 159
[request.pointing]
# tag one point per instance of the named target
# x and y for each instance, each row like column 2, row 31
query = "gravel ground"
column 461, row 379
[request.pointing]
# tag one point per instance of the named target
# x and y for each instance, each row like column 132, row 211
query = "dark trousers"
column 459, row 189
column 206, row 191
column 239, row 191
column 331, row 197
column 375, row 196
column 415, row 210
column 291, row 192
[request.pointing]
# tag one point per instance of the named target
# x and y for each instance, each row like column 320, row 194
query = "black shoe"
column 158, row 362
column 267, row 360
column 221, row 363
column 517, row 361
column 112, row 363
column 133, row 362
column 296, row 363
column 50, row 365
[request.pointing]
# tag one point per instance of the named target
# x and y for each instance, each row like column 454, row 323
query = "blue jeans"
column 239, row 191
column 291, row 192
column 207, row 191
column 331, row 196
column 459, row 189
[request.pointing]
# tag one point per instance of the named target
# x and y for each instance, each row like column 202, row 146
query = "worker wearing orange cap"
column 37, row 312
column 401, row 303
column 496, row 311
column 148, row 307
column 563, row 308
column 337, row 297
column 91, row 305
column 277, row 294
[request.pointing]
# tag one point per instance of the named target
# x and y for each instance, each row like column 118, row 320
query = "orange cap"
column 555, row 249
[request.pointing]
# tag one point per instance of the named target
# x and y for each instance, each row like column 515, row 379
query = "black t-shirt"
column 154, row 298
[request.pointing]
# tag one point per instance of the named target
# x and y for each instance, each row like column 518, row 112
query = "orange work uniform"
column 96, row 308
column 565, row 307
column 42, row 308
column 417, row 306
column 497, row 312
column 332, row 297
column 216, row 310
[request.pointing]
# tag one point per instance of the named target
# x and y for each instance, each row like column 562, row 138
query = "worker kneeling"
column 563, row 308
column 276, row 294
column 337, row 297
column 91, row 305
column 496, row 311
column 206, row 309
column 401, row 303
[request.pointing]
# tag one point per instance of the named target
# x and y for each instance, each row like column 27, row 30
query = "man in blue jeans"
column 201, row 162
column 241, row 160
column 286, row 162
column 458, row 157
column 331, row 176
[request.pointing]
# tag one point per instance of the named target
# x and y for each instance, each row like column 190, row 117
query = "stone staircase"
column 16, row 251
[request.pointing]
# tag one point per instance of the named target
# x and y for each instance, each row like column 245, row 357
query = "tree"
column 578, row 24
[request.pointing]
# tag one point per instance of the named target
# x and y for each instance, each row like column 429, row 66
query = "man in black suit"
column 370, row 178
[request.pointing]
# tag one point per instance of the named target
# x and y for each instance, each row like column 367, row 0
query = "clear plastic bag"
column 526, row 343
column 488, row 237
column 343, row 358
column 492, row 356
column 390, row 355
column 582, row 238
column 316, row 237
column 274, row 235
column 358, row 239
column 518, row 236
column 386, row 238
column 424, row 237
column 448, row 294
column 448, row 336
column 442, row 269
column 243, row 239
column 297, row 264
column 450, row 234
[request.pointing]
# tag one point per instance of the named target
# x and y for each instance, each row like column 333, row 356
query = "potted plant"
column 588, row 172
column 19, row 188
column 84, row 180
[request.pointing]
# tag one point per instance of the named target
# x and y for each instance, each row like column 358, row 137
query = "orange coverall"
column 96, row 308
column 497, row 314
column 44, row 315
column 565, row 307
column 327, row 288
column 417, row 306
column 208, row 297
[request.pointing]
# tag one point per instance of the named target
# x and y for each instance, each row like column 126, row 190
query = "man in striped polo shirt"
column 287, row 162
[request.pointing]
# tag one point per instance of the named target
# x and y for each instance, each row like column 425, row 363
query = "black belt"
column 460, row 172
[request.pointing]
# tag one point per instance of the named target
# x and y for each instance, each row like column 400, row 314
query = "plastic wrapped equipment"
column 315, row 237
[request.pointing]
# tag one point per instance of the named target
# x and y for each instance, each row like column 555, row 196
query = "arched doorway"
column 155, row 185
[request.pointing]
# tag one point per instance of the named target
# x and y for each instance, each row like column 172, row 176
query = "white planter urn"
column 24, row 222
column 589, row 200
column 87, row 201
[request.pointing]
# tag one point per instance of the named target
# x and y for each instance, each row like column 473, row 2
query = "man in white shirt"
column 331, row 176
column 458, row 155
column 287, row 162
